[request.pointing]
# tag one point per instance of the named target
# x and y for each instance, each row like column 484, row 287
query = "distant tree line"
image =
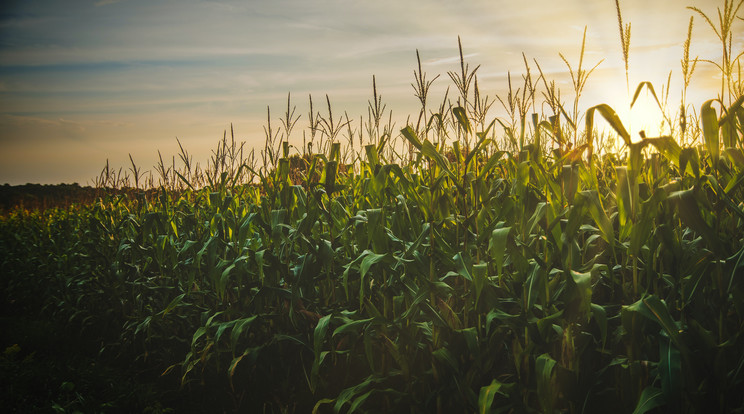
column 44, row 196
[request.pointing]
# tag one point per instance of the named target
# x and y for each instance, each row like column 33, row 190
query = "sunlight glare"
column 645, row 114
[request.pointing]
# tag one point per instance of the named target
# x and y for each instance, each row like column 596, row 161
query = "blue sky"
column 86, row 81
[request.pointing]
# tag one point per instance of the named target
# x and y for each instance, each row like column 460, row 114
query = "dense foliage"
column 530, row 274
column 489, row 282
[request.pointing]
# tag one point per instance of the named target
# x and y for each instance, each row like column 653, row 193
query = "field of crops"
column 453, row 265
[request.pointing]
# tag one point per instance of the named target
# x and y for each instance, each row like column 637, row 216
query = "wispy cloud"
column 450, row 59
column 36, row 129
column 106, row 2
column 157, row 69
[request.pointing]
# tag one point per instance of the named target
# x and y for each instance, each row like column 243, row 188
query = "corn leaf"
column 670, row 371
column 544, row 366
column 462, row 119
column 710, row 130
column 611, row 117
column 497, row 246
column 651, row 398
column 486, row 396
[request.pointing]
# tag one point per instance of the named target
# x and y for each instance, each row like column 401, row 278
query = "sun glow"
column 644, row 118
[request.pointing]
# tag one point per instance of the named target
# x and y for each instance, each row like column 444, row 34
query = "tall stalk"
column 725, row 34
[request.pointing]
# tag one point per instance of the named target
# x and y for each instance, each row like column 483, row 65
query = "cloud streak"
column 99, row 72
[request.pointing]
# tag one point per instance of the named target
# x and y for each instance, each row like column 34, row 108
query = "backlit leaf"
column 651, row 398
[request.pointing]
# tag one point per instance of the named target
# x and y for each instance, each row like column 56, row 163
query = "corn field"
column 456, row 265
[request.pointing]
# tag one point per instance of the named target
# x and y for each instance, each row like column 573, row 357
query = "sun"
column 645, row 116
column 644, row 119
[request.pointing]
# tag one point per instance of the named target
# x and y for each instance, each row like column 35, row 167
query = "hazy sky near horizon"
column 86, row 81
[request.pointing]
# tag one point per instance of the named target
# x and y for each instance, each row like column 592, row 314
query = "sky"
column 86, row 81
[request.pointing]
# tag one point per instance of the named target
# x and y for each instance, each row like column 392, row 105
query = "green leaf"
column 321, row 402
column 651, row 398
column 544, row 365
column 641, row 230
column 624, row 196
column 428, row 149
column 471, row 340
column 222, row 285
column 689, row 211
column 319, row 333
column 667, row 147
column 372, row 156
column 737, row 270
column 234, row 365
column 376, row 235
column 570, row 176
column 240, row 326
column 444, row 357
column 546, row 324
column 638, row 90
column 394, row 350
column 144, row 325
column 583, row 290
column 358, row 401
column 537, row 216
column 462, row 119
column 611, row 117
column 282, row 171
column 352, row 327
column 365, row 260
column 347, row 394
column 710, row 130
column 654, row 309
column 259, row 256
column 598, row 214
column 173, row 304
column 635, row 161
column 733, row 110
column 245, row 228
column 688, row 157
column 670, row 371
column 480, row 275
column 482, row 141
column 491, row 164
column 502, row 317
column 522, row 179
column 736, row 156
column 411, row 136
column 727, row 123
column 369, row 351
column 600, row 316
column 369, row 259
column 198, row 334
column 662, row 316
column 335, row 151
column 318, row 338
column 330, row 176
column 463, row 263
column 486, row 395
column 222, row 327
column 535, row 284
